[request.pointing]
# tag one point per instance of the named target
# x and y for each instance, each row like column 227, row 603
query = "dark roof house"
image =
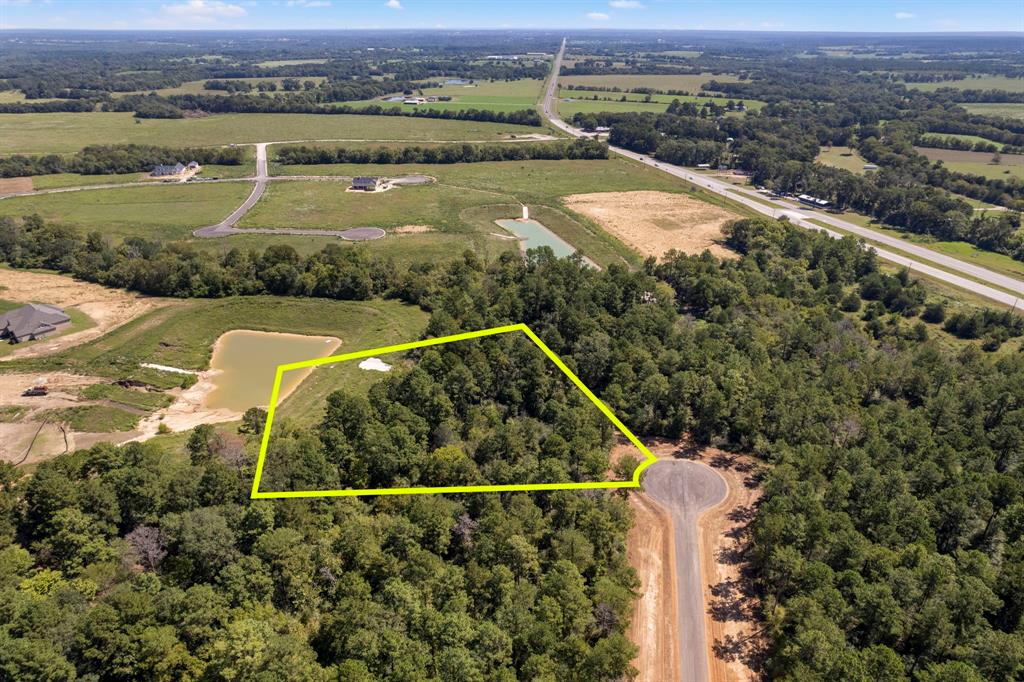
column 364, row 183
column 163, row 170
column 31, row 321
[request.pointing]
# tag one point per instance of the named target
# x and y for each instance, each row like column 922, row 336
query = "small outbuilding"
column 31, row 321
column 365, row 183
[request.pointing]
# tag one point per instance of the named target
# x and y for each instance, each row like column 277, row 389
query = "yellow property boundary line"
column 649, row 458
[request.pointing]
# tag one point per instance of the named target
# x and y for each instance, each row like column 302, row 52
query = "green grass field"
column 61, row 133
column 468, row 186
column 980, row 83
column 967, row 138
column 978, row 163
column 686, row 82
column 290, row 62
column 196, row 87
column 165, row 212
column 143, row 400
column 77, row 180
column 1007, row 110
column 93, row 418
column 582, row 102
column 842, row 157
column 490, row 95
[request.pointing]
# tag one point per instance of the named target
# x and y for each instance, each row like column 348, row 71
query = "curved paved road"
column 964, row 275
column 686, row 489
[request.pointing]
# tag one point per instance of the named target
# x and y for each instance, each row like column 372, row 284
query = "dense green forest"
column 888, row 546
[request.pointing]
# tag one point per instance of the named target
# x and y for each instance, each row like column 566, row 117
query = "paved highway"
column 954, row 271
column 686, row 489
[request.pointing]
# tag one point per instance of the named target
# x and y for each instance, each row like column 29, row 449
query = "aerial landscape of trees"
column 884, row 416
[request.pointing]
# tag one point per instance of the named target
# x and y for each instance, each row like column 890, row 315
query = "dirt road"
column 686, row 489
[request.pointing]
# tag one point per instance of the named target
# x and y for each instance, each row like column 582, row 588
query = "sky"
column 748, row 15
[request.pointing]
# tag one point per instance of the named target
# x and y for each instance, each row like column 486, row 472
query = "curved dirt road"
column 686, row 489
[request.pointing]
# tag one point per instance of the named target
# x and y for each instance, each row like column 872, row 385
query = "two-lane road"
column 925, row 261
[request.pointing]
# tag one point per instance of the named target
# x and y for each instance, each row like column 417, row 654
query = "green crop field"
column 583, row 102
column 978, row 163
column 163, row 212
column 842, row 157
column 1008, row 110
column 64, row 132
column 979, row 83
column 686, row 82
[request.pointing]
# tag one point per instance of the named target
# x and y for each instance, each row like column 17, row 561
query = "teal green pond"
column 532, row 234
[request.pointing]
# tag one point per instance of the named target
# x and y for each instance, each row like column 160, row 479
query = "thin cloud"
column 904, row 15
column 625, row 4
column 203, row 11
column 598, row 16
column 309, row 3
column 393, row 4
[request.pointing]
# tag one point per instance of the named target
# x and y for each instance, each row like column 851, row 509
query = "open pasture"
column 69, row 132
column 978, row 163
column 1007, row 109
column 488, row 95
column 685, row 82
column 165, row 212
column 977, row 83
column 583, row 102
column 842, row 157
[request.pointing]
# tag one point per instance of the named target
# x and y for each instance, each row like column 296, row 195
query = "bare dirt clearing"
column 412, row 229
column 15, row 185
column 108, row 308
column 16, row 436
column 653, row 223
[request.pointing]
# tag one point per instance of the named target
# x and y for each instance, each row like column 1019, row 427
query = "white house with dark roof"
column 31, row 321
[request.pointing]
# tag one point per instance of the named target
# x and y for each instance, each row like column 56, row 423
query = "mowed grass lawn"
column 842, row 157
column 685, row 82
column 165, row 212
column 978, row 163
column 490, row 95
column 582, row 102
column 64, row 132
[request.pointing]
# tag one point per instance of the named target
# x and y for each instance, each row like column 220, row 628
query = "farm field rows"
column 64, row 132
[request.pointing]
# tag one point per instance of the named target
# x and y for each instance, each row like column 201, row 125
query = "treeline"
column 56, row 106
column 448, row 153
column 120, row 158
column 175, row 106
